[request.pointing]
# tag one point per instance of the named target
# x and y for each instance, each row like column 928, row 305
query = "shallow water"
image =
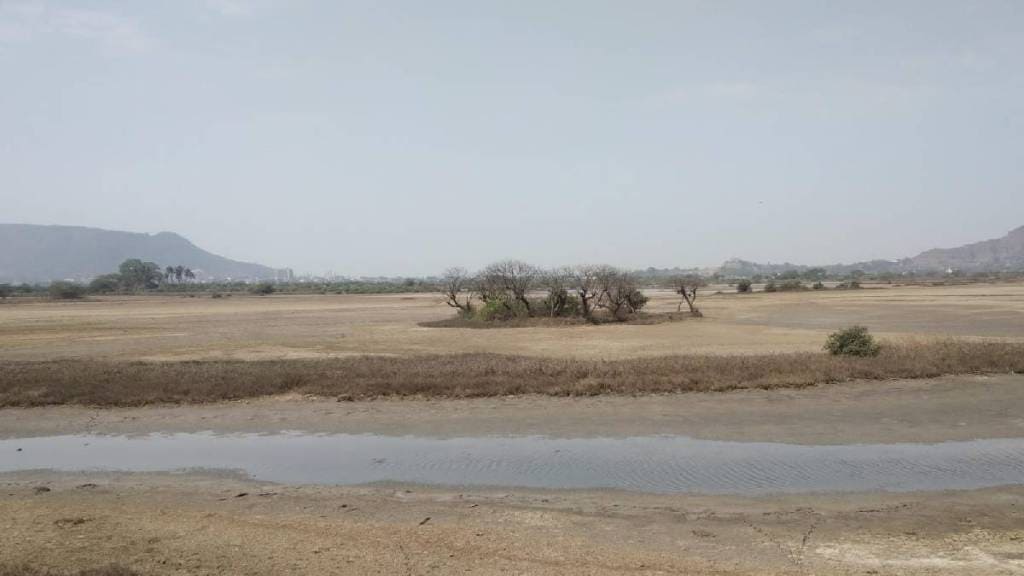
column 648, row 464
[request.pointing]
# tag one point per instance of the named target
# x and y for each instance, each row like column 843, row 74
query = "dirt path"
column 942, row 409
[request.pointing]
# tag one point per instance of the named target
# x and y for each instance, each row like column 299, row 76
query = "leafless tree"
column 686, row 287
column 509, row 280
column 586, row 281
column 620, row 293
column 457, row 288
column 555, row 282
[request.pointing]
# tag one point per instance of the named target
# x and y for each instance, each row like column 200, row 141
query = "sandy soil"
column 249, row 327
column 161, row 524
column 943, row 409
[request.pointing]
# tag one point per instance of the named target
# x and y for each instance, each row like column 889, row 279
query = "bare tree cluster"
column 514, row 288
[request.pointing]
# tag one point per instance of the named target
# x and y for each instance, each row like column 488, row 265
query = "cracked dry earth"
column 208, row 524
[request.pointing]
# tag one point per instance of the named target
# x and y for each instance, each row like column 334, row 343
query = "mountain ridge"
column 42, row 253
column 1005, row 253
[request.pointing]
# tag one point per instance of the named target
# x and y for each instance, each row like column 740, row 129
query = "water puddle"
column 648, row 464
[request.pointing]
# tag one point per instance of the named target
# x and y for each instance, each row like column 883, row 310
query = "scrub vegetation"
column 106, row 383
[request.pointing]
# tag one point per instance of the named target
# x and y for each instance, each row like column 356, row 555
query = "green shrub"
column 493, row 310
column 636, row 301
column 771, row 287
column 818, row 286
column 743, row 287
column 105, row 284
column 851, row 285
column 852, row 341
column 263, row 289
column 792, row 286
column 567, row 306
column 66, row 291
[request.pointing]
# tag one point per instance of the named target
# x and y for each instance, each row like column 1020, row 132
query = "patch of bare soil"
column 162, row 524
column 932, row 410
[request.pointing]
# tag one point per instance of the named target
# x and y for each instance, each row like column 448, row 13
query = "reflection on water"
column 648, row 464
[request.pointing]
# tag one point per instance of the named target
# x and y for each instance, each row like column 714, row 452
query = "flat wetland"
column 346, row 364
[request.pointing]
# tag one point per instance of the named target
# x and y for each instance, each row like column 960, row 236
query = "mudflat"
column 220, row 523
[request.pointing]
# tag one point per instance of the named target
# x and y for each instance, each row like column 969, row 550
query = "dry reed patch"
column 25, row 570
column 106, row 383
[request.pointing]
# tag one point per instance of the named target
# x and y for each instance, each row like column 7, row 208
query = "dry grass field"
column 162, row 328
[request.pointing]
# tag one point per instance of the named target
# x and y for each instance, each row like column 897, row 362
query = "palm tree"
column 189, row 275
column 169, row 272
column 179, row 272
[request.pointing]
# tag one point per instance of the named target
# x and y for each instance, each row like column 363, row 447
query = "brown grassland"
column 24, row 570
column 129, row 351
column 172, row 328
column 107, row 383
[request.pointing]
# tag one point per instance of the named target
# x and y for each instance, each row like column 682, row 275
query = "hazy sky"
column 404, row 137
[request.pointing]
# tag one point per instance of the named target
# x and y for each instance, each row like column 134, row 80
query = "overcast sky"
column 404, row 137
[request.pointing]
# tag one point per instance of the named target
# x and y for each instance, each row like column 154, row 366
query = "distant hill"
column 30, row 253
column 1006, row 253
column 1000, row 254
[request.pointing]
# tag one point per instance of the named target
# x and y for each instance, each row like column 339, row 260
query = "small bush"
column 567, row 306
column 771, row 287
column 636, row 301
column 105, row 284
column 66, row 291
column 216, row 295
column 744, row 287
column 492, row 310
column 851, row 285
column 792, row 286
column 818, row 286
column 263, row 289
column 852, row 341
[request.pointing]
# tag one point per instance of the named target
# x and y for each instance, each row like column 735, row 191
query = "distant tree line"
column 134, row 275
column 498, row 290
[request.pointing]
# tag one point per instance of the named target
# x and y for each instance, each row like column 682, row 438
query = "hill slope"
column 30, row 253
column 998, row 254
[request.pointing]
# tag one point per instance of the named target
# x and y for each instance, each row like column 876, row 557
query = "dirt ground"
column 223, row 524
column 187, row 524
column 251, row 327
column 943, row 409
